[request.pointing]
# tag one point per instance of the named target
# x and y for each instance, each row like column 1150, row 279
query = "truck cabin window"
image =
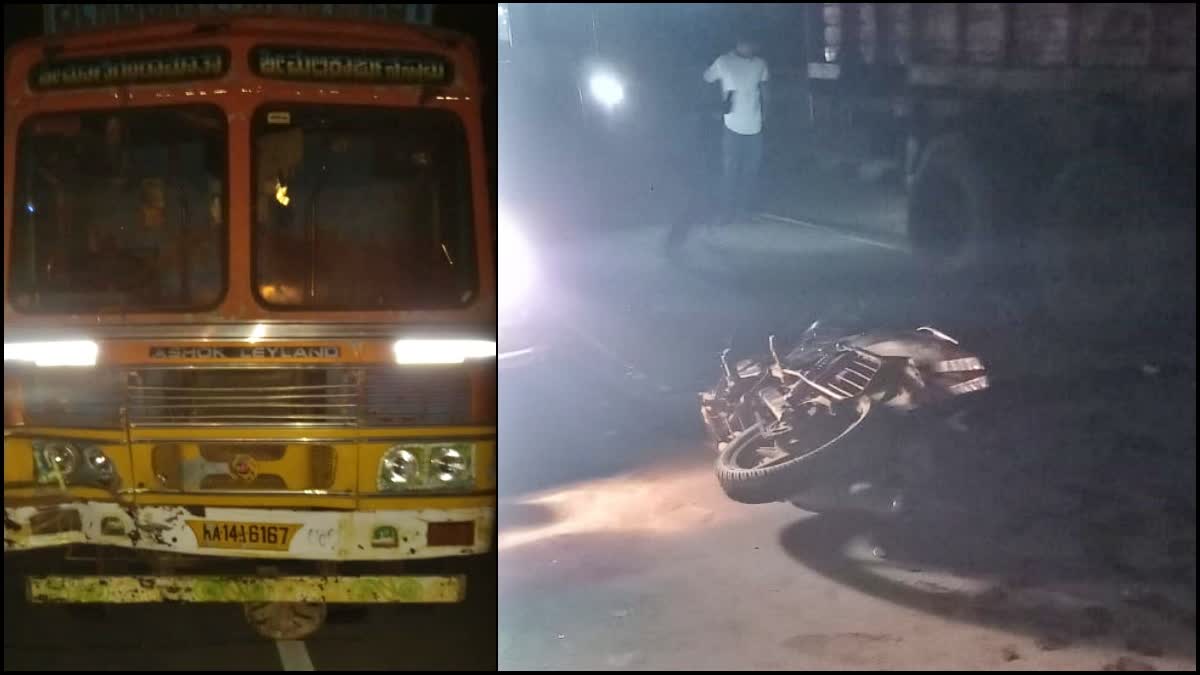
column 362, row 208
column 120, row 211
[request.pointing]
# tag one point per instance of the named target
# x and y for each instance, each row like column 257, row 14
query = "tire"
column 950, row 218
column 778, row 482
column 285, row 620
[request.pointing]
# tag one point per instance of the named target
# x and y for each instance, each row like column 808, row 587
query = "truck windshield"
column 120, row 211
column 362, row 208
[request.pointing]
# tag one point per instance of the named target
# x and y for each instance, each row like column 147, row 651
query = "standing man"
column 743, row 77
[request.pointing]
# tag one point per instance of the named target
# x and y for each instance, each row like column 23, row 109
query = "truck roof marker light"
column 60, row 353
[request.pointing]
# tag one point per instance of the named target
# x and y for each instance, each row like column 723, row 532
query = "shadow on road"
column 1072, row 501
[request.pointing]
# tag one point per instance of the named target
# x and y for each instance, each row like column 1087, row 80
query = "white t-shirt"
column 743, row 76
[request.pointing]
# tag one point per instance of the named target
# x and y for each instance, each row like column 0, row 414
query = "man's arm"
column 764, row 89
column 713, row 73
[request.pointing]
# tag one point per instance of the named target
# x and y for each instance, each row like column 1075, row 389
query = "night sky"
column 21, row 21
column 478, row 21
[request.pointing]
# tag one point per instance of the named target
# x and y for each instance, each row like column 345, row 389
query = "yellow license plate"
column 257, row 536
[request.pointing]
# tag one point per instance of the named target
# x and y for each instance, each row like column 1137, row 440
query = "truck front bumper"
column 280, row 534
column 244, row 589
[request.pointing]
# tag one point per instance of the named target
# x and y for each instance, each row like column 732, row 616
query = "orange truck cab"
column 249, row 310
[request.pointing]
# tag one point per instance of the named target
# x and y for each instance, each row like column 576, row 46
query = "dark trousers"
column 716, row 176
column 741, row 157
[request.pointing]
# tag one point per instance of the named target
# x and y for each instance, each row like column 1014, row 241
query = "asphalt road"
column 1062, row 531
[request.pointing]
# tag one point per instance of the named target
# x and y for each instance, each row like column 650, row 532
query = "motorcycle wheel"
column 754, row 470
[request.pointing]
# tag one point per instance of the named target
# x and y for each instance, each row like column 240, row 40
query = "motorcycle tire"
column 780, row 481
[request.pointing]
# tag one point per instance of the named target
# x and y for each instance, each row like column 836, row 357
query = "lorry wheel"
column 949, row 205
column 285, row 620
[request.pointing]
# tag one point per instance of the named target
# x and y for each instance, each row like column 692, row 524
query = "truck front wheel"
column 949, row 205
column 285, row 620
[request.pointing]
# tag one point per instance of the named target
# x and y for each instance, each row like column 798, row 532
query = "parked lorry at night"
column 1016, row 121
column 249, row 310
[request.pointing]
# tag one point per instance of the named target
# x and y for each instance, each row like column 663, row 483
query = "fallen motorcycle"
column 783, row 426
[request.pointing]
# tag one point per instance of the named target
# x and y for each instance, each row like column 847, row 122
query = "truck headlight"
column 426, row 467
column 72, row 463
column 450, row 465
column 400, row 468
column 417, row 351
column 59, row 456
column 97, row 463
column 62, row 353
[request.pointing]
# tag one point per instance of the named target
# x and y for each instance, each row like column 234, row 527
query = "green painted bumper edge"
column 336, row 589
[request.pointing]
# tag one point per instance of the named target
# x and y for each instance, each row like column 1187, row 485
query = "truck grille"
column 72, row 399
column 299, row 396
column 194, row 467
column 417, row 397
column 237, row 396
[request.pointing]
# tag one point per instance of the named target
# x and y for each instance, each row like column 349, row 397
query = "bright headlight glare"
column 426, row 351
column 516, row 264
column 607, row 89
column 64, row 353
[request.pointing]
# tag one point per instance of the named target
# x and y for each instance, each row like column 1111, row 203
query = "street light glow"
column 606, row 89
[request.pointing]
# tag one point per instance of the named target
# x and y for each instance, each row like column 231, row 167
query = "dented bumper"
column 292, row 534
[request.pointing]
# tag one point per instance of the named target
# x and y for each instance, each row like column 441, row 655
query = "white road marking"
column 841, row 233
column 294, row 655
